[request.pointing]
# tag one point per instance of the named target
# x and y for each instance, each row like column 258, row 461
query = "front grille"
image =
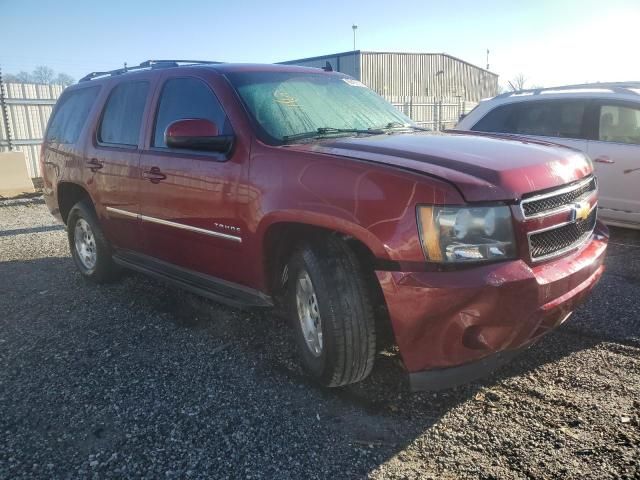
column 563, row 238
column 553, row 201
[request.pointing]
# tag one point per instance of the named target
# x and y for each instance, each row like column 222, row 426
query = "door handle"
column 604, row 159
column 94, row 165
column 154, row 175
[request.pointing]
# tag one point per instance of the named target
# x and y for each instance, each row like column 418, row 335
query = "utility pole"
column 487, row 59
column 354, row 27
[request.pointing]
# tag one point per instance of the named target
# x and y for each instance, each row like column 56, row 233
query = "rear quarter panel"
column 62, row 162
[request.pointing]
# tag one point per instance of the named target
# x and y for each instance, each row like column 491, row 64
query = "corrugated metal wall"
column 28, row 107
column 411, row 74
column 434, row 89
column 426, row 74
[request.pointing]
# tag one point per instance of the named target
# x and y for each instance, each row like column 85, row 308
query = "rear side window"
column 122, row 116
column 71, row 114
column 183, row 98
column 498, row 120
column 549, row 119
column 619, row 124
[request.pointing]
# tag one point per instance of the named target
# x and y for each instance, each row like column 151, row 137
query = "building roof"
column 371, row 52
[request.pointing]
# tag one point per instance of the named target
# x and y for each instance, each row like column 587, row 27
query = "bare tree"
column 43, row 74
column 23, row 77
column 63, row 79
column 517, row 83
column 10, row 78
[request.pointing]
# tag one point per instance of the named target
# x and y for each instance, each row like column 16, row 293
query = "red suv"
column 263, row 185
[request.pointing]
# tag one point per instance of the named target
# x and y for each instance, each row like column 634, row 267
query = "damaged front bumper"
column 452, row 327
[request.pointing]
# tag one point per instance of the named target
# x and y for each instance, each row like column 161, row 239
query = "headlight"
column 466, row 234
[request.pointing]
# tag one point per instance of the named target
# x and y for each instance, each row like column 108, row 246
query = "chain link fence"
column 431, row 112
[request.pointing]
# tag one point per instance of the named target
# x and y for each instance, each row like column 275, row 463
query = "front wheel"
column 331, row 311
column 90, row 250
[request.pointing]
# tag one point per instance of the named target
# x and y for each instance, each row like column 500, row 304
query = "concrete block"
column 14, row 178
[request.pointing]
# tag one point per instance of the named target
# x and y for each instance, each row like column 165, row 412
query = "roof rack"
column 147, row 64
column 615, row 87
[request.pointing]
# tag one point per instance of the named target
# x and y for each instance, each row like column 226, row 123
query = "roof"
column 371, row 52
column 604, row 88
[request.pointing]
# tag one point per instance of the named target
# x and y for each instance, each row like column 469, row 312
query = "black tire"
column 345, row 309
column 104, row 270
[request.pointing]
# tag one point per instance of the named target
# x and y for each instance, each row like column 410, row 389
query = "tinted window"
column 549, row 119
column 619, row 124
column 71, row 114
column 187, row 98
column 122, row 115
column 499, row 119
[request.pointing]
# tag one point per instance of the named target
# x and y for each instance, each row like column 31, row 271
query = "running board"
column 222, row 291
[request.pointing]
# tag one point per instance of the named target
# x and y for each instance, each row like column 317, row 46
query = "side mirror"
column 197, row 134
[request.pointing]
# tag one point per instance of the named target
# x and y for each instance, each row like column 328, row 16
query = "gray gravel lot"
column 137, row 379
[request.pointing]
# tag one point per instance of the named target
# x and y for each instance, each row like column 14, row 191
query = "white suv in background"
column 602, row 120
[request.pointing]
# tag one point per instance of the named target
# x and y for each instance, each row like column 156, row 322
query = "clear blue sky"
column 550, row 42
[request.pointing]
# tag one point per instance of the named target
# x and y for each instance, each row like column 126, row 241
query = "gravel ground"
column 137, row 379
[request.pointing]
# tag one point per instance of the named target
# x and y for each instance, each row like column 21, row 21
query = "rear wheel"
column 331, row 312
column 90, row 250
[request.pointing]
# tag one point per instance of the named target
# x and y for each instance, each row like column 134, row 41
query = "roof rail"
column 327, row 67
column 147, row 64
column 151, row 63
column 615, row 87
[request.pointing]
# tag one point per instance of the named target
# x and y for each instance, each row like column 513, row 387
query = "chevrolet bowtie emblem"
column 581, row 210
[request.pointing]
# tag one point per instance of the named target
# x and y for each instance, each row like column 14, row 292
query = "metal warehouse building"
column 393, row 75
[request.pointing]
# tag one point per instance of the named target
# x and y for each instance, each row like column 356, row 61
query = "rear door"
column 615, row 151
column 189, row 199
column 112, row 161
column 558, row 121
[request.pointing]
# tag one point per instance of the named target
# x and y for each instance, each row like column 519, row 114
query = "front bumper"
column 444, row 322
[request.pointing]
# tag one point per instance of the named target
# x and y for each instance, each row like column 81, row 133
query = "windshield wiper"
column 401, row 126
column 323, row 131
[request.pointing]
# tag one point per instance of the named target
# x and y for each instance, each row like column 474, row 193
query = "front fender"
column 329, row 222
column 373, row 203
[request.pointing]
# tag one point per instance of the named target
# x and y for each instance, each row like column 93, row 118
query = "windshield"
column 286, row 105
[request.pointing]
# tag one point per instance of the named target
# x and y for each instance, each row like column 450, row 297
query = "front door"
column 616, row 156
column 189, row 200
column 559, row 121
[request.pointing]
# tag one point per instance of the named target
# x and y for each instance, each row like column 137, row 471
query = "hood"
column 484, row 167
